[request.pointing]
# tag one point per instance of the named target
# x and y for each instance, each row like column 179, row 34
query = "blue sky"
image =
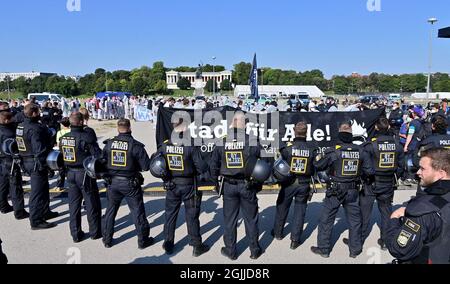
column 336, row 36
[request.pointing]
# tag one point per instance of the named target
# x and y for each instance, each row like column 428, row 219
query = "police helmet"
column 158, row 166
column 55, row 160
column 9, row 147
column 281, row 170
column 257, row 170
column 94, row 168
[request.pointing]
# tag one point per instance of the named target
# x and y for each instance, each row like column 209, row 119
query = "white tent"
column 313, row 91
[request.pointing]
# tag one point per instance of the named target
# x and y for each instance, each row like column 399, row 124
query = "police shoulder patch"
column 412, row 225
column 403, row 238
column 374, row 139
column 338, row 147
column 166, row 141
column 289, row 144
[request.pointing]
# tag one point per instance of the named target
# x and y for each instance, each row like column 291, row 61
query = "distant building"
column 356, row 75
column 172, row 77
column 26, row 75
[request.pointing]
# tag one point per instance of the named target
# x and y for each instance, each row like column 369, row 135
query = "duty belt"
column 384, row 179
column 234, row 180
column 183, row 180
column 121, row 178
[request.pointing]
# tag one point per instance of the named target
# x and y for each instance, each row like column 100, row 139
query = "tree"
column 341, row 86
column 241, row 73
column 210, row 86
column 160, row 87
column 226, row 85
column 209, row 68
column 184, row 84
column 138, row 86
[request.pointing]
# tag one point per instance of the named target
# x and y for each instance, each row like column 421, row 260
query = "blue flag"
column 254, row 80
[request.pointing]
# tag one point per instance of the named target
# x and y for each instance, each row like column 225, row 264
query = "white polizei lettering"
column 350, row 155
column 234, row 145
column 174, row 150
column 300, row 153
column 444, row 142
column 386, row 147
column 119, row 145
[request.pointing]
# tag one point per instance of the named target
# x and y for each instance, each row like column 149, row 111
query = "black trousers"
column 299, row 194
column 39, row 197
column 81, row 186
column 11, row 185
column 237, row 197
column 117, row 191
column 192, row 204
column 384, row 195
column 331, row 206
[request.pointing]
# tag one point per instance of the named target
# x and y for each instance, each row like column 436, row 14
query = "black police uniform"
column 185, row 163
column 34, row 143
column 76, row 146
column 229, row 161
column 299, row 155
column 435, row 140
column 388, row 158
column 125, row 159
column 396, row 121
column 422, row 235
column 11, row 177
column 47, row 116
column 345, row 164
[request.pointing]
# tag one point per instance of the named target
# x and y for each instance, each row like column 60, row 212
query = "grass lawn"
column 14, row 96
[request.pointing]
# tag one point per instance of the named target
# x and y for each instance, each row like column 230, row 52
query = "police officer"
column 420, row 232
column 10, row 174
column 438, row 139
column 34, row 144
column 387, row 157
column 76, row 146
column 47, row 114
column 229, row 160
column 299, row 155
column 184, row 163
column 125, row 158
column 396, row 118
column 345, row 164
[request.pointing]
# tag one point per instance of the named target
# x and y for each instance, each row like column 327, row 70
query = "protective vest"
column 23, row 143
column 385, row 155
column 179, row 160
column 74, row 149
column 438, row 251
column 234, row 157
column 300, row 158
column 347, row 166
column 119, row 155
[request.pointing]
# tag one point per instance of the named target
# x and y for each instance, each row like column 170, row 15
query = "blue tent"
column 120, row 95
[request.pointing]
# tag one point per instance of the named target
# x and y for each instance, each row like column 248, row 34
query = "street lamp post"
column 214, row 76
column 7, row 86
column 431, row 21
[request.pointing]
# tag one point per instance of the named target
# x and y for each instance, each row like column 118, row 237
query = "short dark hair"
column 124, row 124
column 31, row 109
column 5, row 117
column 65, row 122
column 300, row 129
column 440, row 124
column 382, row 124
column 440, row 158
column 76, row 119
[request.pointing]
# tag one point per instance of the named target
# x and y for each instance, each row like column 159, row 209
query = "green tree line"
column 152, row 80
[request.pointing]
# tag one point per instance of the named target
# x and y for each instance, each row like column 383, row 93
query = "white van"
column 42, row 97
column 395, row 97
